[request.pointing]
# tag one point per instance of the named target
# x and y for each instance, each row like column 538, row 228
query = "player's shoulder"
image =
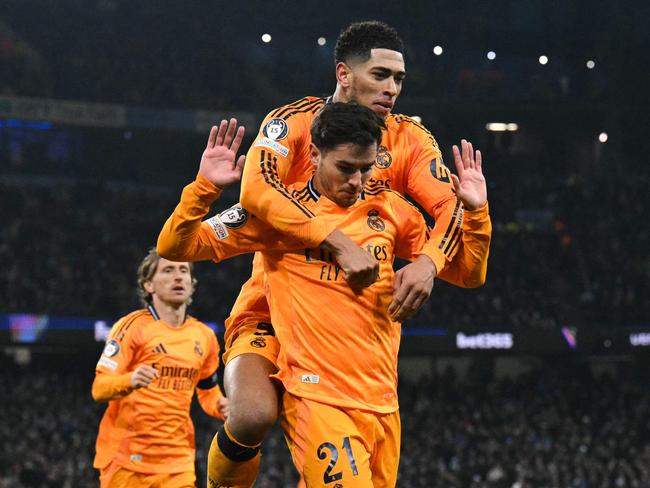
column 378, row 192
column 130, row 322
column 305, row 105
column 291, row 120
column 405, row 124
column 304, row 192
column 204, row 328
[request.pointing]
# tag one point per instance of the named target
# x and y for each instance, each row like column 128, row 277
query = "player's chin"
column 347, row 200
column 178, row 299
column 381, row 110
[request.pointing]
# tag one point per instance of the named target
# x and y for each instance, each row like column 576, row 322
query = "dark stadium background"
column 537, row 379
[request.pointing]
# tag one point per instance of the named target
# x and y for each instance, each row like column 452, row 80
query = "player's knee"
column 250, row 423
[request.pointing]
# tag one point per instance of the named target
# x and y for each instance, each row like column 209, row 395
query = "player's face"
column 377, row 82
column 172, row 282
column 342, row 172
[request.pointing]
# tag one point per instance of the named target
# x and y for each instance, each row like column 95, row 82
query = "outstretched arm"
column 184, row 236
column 468, row 269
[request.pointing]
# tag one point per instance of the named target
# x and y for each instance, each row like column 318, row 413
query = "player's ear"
column 148, row 286
column 343, row 75
column 315, row 154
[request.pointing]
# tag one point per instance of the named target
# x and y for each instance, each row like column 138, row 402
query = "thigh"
column 327, row 445
column 384, row 462
column 247, row 381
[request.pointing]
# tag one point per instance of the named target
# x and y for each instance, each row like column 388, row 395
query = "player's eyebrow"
column 382, row 70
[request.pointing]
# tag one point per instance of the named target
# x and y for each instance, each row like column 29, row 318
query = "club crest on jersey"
column 374, row 221
column 234, row 217
column 258, row 342
column 276, row 129
column 384, row 159
column 198, row 350
column 111, row 348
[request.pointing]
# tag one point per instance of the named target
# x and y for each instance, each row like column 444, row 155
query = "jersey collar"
column 312, row 189
column 153, row 312
column 316, row 196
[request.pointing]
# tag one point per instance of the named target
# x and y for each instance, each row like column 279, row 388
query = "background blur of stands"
column 25, row 331
column 95, row 149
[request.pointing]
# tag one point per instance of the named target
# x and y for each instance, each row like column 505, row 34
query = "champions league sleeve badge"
column 276, row 129
column 234, row 217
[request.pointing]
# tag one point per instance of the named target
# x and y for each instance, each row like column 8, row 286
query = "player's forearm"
column 264, row 195
column 445, row 236
column 180, row 238
column 337, row 243
column 468, row 269
column 108, row 387
column 209, row 401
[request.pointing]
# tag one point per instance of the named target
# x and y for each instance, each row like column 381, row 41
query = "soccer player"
column 153, row 361
column 338, row 346
column 370, row 70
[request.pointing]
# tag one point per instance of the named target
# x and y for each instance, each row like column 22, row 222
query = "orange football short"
column 336, row 447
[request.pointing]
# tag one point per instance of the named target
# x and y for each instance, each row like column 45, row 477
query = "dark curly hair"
column 359, row 38
column 346, row 123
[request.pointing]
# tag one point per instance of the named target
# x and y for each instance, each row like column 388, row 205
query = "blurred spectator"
column 545, row 429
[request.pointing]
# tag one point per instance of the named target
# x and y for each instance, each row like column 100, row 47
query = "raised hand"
column 219, row 163
column 470, row 183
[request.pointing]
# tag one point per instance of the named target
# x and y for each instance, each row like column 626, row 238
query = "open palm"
column 219, row 163
column 470, row 183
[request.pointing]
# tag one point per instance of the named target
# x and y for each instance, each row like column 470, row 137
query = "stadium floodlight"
column 266, row 38
column 437, row 50
column 501, row 126
column 603, row 137
column 322, row 41
column 543, row 59
column 491, row 55
column 591, row 64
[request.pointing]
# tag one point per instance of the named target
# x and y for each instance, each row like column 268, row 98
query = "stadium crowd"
column 567, row 259
column 176, row 57
column 543, row 429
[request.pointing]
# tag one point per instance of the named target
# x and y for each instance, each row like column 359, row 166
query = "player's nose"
column 390, row 87
column 355, row 180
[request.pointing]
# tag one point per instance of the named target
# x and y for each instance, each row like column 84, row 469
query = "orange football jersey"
column 149, row 430
column 337, row 346
column 409, row 162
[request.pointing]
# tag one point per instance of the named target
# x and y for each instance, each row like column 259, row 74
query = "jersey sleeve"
column 185, row 237
column 113, row 370
column 208, row 391
column 280, row 147
column 468, row 269
column 412, row 233
column 429, row 183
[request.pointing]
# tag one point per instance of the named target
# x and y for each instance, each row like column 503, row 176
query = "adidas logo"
column 160, row 348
